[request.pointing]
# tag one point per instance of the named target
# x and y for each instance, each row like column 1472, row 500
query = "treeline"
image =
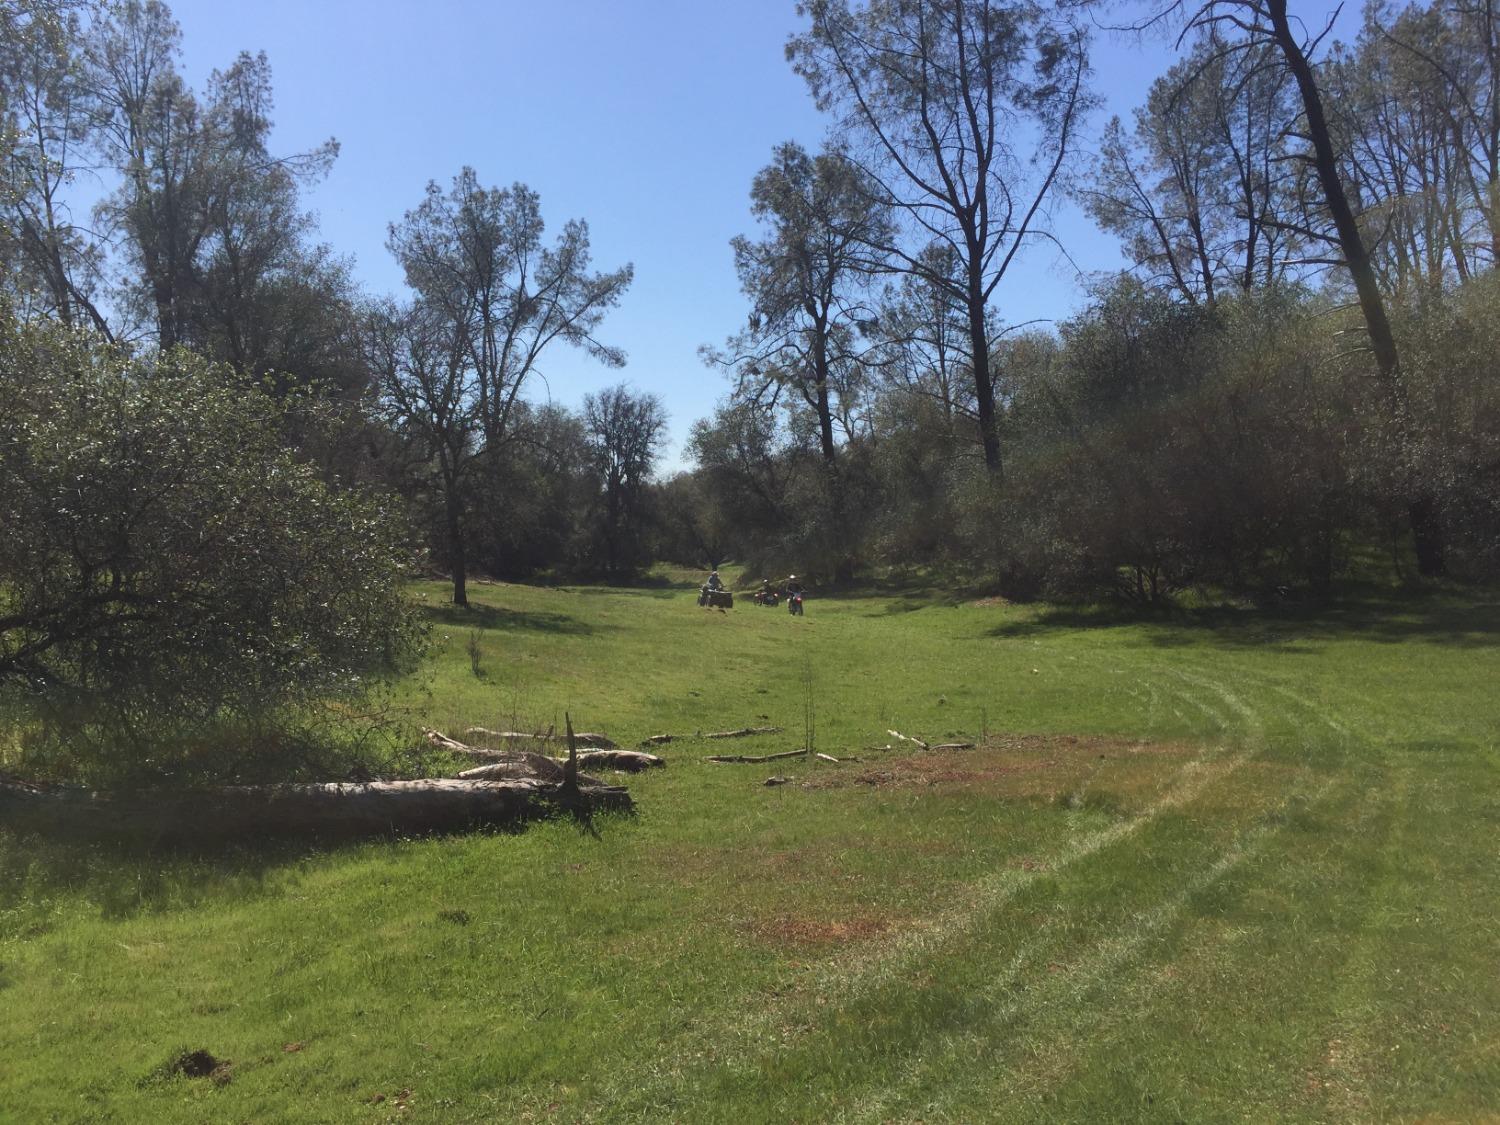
column 1297, row 376
column 202, row 242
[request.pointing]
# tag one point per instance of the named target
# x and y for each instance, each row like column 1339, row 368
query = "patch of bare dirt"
column 790, row 930
column 1000, row 761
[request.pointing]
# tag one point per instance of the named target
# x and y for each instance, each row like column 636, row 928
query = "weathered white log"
column 443, row 742
column 755, row 757
column 517, row 764
column 590, row 739
column 743, row 732
column 330, row 810
column 905, row 738
column 953, row 746
column 658, row 740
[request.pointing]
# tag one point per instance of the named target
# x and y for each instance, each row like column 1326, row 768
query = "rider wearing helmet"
column 793, row 586
column 714, row 583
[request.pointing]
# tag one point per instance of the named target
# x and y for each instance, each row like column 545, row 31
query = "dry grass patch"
column 1031, row 767
column 788, row 929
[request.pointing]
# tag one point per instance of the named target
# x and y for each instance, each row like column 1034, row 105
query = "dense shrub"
column 168, row 568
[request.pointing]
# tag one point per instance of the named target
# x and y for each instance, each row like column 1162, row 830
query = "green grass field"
column 1221, row 865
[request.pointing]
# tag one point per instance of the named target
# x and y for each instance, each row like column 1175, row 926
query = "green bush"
column 169, row 570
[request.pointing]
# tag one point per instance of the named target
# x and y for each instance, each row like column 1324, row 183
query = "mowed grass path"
column 1214, row 867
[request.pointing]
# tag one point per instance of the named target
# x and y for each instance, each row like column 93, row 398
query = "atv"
column 715, row 599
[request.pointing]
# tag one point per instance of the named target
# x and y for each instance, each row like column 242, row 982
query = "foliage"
column 491, row 299
column 624, row 432
column 168, row 566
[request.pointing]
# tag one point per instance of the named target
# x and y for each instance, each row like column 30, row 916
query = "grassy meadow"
column 1210, row 865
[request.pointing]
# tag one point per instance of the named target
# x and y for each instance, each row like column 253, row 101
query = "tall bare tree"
column 53, row 261
column 807, row 281
column 962, row 114
column 1197, row 189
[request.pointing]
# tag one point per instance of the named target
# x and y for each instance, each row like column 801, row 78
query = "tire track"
column 760, row 1032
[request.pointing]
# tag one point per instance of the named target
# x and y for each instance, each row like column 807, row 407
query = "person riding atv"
column 713, row 594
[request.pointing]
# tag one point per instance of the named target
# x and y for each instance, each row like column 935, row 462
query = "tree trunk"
column 456, row 562
column 379, row 808
column 984, row 387
column 1427, row 536
column 825, row 410
column 1351, row 242
column 1422, row 508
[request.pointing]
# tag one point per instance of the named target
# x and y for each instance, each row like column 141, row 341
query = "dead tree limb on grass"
column 751, row 758
column 588, row 739
column 906, row 738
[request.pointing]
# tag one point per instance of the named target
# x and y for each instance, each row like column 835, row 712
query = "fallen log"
column 905, row 738
column 744, row 732
column 443, row 742
column 953, row 746
column 755, row 757
column 516, row 764
column 826, row 757
column 631, row 761
column 485, row 754
column 658, row 740
column 591, row 739
column 327, row 811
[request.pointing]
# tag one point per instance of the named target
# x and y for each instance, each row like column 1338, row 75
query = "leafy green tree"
column 492, row 299
column 168, row 566
column 624, row 432
column 1199, row 190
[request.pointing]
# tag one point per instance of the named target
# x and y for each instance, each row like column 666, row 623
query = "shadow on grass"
column 1379, row 616
column 477, row 615
column 122, row 879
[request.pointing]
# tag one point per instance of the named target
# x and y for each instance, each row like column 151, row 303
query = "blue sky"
column 648, row 118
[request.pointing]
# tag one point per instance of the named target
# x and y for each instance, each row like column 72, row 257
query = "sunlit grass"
column 1209, row 866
